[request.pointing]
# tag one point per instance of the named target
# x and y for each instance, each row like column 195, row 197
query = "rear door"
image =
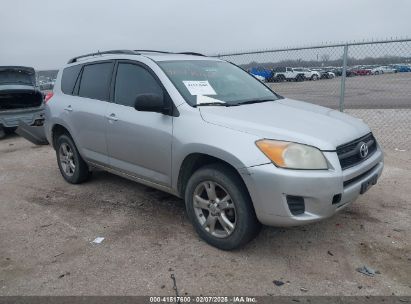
column 139, row 143
column 86, row 112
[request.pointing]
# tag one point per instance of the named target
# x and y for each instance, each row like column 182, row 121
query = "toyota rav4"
column 205, row 130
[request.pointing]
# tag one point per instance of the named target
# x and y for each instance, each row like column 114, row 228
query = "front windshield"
column 215, row 82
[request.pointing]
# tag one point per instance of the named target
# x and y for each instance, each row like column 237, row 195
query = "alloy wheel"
column 67, row 161
column 214, row 209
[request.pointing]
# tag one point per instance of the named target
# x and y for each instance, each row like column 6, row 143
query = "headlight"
column 292, row 155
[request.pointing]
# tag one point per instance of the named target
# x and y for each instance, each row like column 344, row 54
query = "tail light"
column 48, row 97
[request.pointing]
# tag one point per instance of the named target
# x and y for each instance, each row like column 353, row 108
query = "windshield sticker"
column 204, row 99
column 199, row 87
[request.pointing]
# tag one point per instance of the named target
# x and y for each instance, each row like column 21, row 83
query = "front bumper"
column 269, row 186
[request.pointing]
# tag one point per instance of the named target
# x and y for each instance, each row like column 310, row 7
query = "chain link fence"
column 369, row 80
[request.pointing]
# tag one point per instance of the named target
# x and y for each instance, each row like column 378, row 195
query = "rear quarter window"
column 69, row 78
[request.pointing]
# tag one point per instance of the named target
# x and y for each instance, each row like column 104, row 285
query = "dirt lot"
column 388, row 91
column 47, row 225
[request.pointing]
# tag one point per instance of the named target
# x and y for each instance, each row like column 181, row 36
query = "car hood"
column 289, row 120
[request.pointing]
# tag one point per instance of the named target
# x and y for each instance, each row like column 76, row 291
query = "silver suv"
column 204, row 130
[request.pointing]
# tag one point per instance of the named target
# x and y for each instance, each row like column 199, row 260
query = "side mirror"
column 151, row 103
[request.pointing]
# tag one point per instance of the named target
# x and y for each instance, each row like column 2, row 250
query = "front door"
column 138, row 143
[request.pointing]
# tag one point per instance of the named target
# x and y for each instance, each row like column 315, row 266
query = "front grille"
column 349, row 153
column 358, row 177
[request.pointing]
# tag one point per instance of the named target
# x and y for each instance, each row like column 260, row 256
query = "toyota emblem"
column 363, row 150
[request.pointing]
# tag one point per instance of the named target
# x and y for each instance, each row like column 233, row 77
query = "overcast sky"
column 46, row 33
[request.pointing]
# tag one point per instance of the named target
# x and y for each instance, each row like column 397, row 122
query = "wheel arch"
column 194, row 161
column 58, row 130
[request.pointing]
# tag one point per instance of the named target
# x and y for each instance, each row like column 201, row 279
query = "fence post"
column 344, row 74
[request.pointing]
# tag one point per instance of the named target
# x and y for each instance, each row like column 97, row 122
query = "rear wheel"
column 72, row 166
column 220, row 208
column 314, row 77
column 280, row 78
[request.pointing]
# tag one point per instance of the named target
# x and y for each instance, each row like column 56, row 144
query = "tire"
column 377, row 72
column 314, row 77
column 240, row 213
column 72, row 166
column 280, row 78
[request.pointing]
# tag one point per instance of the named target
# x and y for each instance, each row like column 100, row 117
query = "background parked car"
column 262, row 72
column 402, row 68
column 329, row 74
column 309, row 74
column 259, row 77
column 349, row 72
column 361, row 71
column 383, row 70
column 20, row 98
column 337, row 71
column 325, row 74
column 46, row 85
column 281, row 74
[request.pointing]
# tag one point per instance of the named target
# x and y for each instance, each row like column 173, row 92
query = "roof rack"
column 125, row 52
column 129, row 52
column 166, row 52
column 192, row 53
column 153, row 51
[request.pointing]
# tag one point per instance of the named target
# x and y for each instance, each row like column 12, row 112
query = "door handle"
column 112, row 117
column 69, row 108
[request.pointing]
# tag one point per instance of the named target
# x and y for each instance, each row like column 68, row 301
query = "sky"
column 46, row 33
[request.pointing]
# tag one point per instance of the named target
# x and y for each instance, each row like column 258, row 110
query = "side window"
column 95, row 81
column 132, row 80
column 69, row 78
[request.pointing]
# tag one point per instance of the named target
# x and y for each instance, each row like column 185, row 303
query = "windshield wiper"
column 252, row 101
column 212, row 104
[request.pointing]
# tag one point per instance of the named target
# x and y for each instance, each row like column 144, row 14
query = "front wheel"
column 72, row 166
column 220, row 208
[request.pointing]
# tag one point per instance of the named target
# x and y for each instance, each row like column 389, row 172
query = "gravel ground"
column 47, row 225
